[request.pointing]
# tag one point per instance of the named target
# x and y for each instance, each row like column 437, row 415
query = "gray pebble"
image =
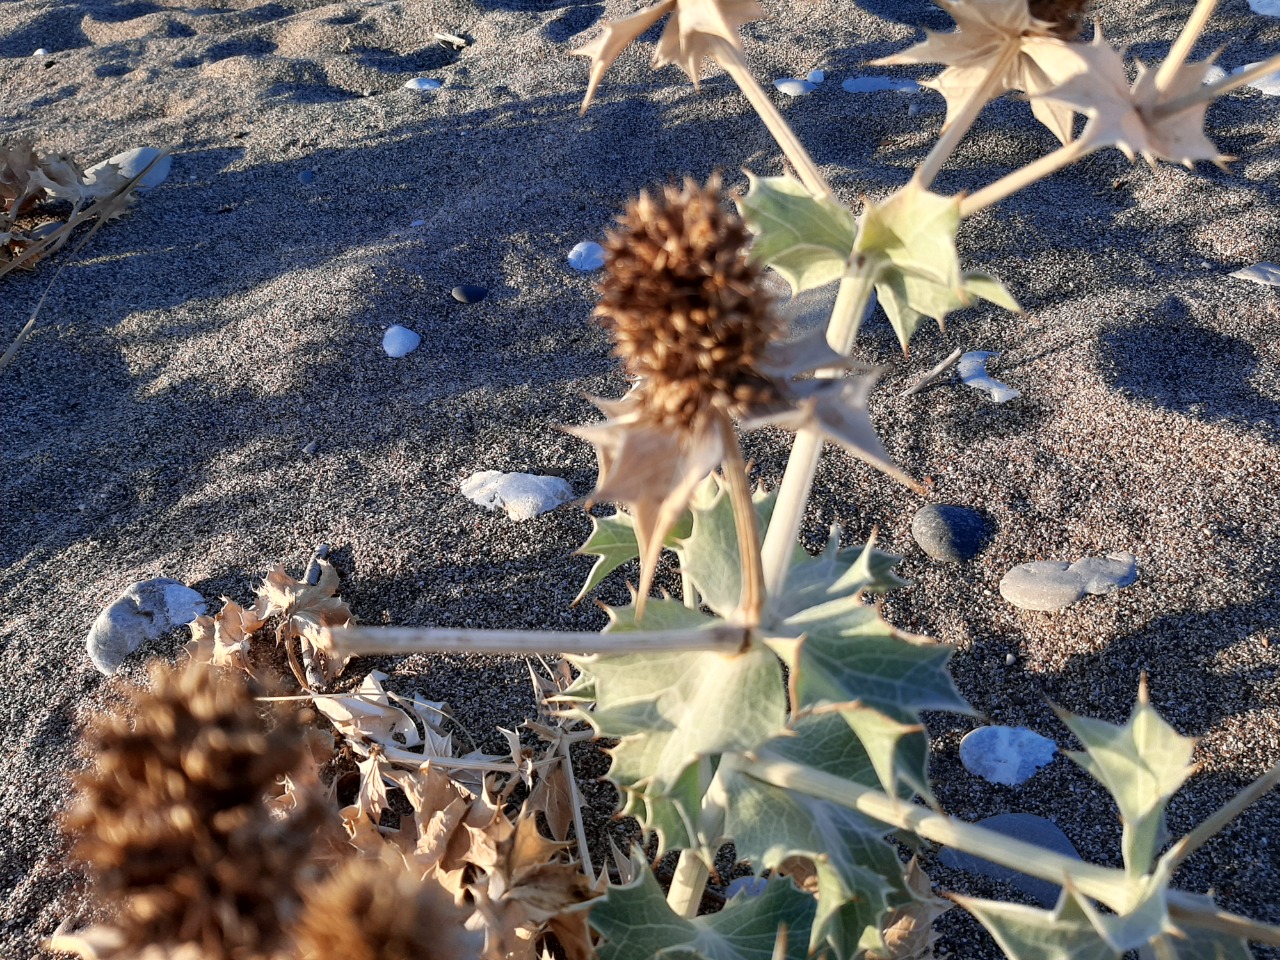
column 1006, row 755
column 1019, row 826
column 306, row 176
column 469, row 293
column 1043, row 585
column 145, row 611
column 949, row 533
column 1107, row 574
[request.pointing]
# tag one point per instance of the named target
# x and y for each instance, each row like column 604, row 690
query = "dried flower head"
column 172, row 821
column 376, row 909
column 1063, row 16
column 684, row 304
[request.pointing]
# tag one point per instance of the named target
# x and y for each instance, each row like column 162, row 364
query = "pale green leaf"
column 709, row 553
column 1027, row 933
column 834, row 573
column 1199, row 944
column 806, row 239
column 991, row 289
column 859, row 875
column 1142, row 764
column 637, row 924
column 613, row 543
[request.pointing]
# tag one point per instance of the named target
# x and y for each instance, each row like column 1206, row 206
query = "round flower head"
column 172, row 821
column 1063, row 16
column 684, row 304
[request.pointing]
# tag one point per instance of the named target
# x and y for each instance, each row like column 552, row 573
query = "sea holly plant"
column 771, row 705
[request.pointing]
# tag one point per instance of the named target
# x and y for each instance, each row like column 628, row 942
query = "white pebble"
column 1268, row 83
column 42, row 52
column 399, row 341
column 1265, row 273
column 873, row 84
column 1006, row 755
column 418, row 223
column 816, row 76
column 972, row 368
column 1268, row 8
column 793, row 87
column 133, row 162
column 522, row 495
column 422, row 83
column 586, row 256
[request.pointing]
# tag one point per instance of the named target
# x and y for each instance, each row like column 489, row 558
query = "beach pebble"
column 1043, row 585
column 1019, row 826
column 586, row 256
column 1214, row 73
column 422, row 83
column 1006, row 755
column 1268, row 83
column 42, row 52
column 816, row 76
column 469, row 293
column 306, row 176
column 522, row 495
column 873, row 84
column 133, row 162
column 793, row 87
column 949, row 533
column 399, row 341
column 748, row 886
column 418, row 223
column 972, row 369
column 1107, row 574
column 145, row 611
column 1264, row 273
column 1268, row 8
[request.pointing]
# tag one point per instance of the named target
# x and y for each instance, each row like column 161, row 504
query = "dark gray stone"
column 1019, row 826
column 949, row 533
column 469, row 293
column 145, row 611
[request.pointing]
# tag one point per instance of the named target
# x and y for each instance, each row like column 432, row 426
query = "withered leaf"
column 307, row 610
column 223, row 640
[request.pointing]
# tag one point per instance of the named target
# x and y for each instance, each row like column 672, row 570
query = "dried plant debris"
column 44, row 197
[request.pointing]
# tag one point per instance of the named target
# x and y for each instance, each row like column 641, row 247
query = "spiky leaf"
column 858, row 873
column 806, row 239
column 1026, row 933
column 1142, row 763
column 836, row 572
column 709, row 553
column 613, row 543
column 637, row 924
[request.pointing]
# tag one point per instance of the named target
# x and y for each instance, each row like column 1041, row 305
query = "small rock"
column 873, row 84
column 1214, row 73
column 1268, row 83
column 400, row 341
column 972, row 369
column 1264, row 273
column 42, row 52
column 913, row 109
column 949, row 533
column 311, row 447
column 1107, row 574
column 469, row 293
column 793, row 87
column 1006, row 755
column 1019, row 826
column 1043, row 585
column 422, row 83
column 522, row 495
column 418, row 223
column 133, row 162
column 816, row 76
column 1268, row 8
column 1010, row 659
column 145, row 611
column 586, row 256
column 306, row 176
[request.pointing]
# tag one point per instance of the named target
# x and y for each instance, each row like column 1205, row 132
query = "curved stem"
column 784, row 527
column 1065, row 155
column 956, row 127
column 731, row 60
column 744, row 519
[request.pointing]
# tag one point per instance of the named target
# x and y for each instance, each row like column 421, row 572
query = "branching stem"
column 956, row 127
column 374, row 641
column 1010, row 184
column 744, row 518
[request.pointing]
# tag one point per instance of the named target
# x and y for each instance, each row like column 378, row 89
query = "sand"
column 154, row 424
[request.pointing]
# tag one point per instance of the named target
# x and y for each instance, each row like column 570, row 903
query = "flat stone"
column 144, row 611
column 949, row 533
column 586, row 256
column 133, row 162
column 1268, row 83
column 1268, row 8
column 1043, row 585
column 422, row 84
column 792, row 87
column 874, row 84
column 400, row 341
column 1019, row 826
column 1264, row 273
column 1107, row 574
column 522, row 495
column 306, row 176
column 469, row 293
column 1006, row 755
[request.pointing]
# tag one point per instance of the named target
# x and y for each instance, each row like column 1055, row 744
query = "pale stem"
column 371, row 641
column 956, row 127
column 1112, row 887
column 579, row 828
column 1181, row 48
column 687, row 590
column 1010, row 184
column 1224, row 815
column 793, row 493
column 1211, row 91
column 690, row 879
column 731, row 60
column 744, row 519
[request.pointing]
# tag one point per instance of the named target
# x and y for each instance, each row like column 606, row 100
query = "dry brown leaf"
column 372, row 796
column 908, row 931
column 367, row 714
column 223, row 640
column 307, row 611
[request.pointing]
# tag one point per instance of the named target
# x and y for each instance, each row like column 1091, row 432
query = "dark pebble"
column 949, row 533
column 469, row 293
column 306, row 176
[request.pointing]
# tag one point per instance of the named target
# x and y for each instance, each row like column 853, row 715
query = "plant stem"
column 1065, row 155
column 744, row 519
column 1224, row 815
column 956, row 127
column 576, row 803
column 784, row 528
column 370, row 641
column 731, row 60
column 690, row 879
column 1211, row 91
column 1181, row 48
